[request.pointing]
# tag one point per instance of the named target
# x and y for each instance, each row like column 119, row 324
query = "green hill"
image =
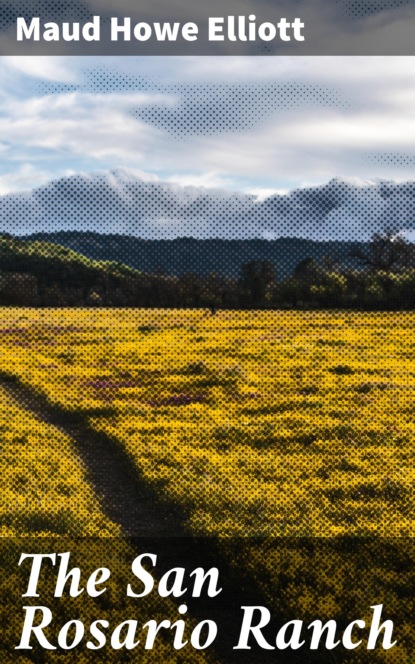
column 43, row 273
column 37, row 256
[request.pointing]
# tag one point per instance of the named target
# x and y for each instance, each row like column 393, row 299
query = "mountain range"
column 128, row 203
column 202, row 256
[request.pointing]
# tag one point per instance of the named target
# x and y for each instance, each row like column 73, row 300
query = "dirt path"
column 151, row 524
column 124, row 496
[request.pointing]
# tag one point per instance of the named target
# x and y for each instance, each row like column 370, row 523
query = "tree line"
column 39, row 274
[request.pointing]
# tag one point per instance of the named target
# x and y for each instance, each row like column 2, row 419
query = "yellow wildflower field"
column 256, row 423
column 286, row 425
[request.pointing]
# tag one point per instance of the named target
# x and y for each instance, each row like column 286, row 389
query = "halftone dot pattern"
column 361, row 9
column 270, row 395
column 223, row 108
column 59, row 10
column 205, row 109
column 393, row 159
column 123, row 203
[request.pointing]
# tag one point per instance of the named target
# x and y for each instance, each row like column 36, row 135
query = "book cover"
column 207, row 367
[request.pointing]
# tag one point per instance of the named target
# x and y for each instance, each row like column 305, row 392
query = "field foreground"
column 256, row 423
column 295, row 427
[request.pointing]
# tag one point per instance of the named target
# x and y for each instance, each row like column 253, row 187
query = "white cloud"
column 98, row 126
column 26, row 177
column 261, row 194
column 344, row 112
column 43, row 67
column 210, row 180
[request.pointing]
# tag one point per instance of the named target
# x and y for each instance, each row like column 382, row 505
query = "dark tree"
column 387, row 252
column 256, row 277
column 308, row 269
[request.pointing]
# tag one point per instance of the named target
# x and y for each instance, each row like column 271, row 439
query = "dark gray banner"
column 243, row 27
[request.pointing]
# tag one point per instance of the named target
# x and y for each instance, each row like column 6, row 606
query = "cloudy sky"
column 262, row 126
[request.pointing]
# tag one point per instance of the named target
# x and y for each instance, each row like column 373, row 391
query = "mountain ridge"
column 175, row 257
column 123, row 202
